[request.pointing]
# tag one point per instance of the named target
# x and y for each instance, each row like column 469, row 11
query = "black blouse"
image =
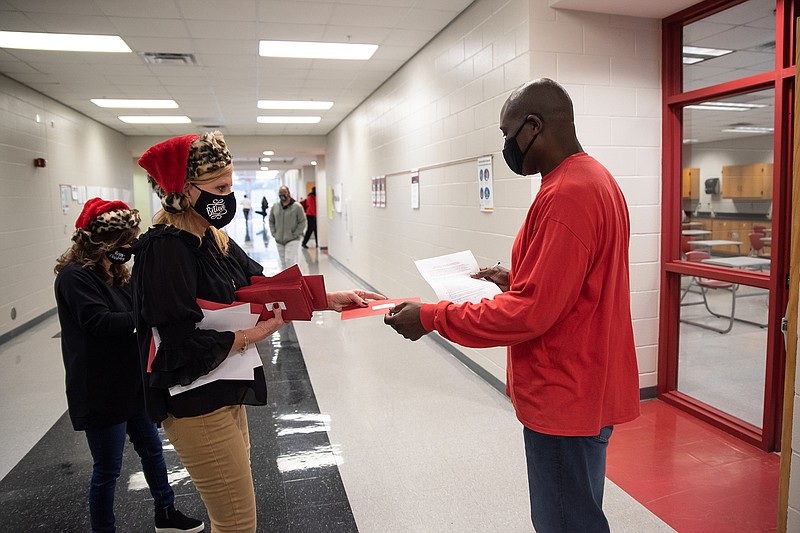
column 172, row 269
column 99, row 348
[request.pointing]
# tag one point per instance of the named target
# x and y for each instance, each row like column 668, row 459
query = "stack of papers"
column 449, row 277
column 297, row 295
column 221, row 317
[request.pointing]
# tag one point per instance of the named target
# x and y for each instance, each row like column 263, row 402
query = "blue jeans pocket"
column 604, row 435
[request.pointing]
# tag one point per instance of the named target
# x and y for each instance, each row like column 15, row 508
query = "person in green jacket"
column 287, row 223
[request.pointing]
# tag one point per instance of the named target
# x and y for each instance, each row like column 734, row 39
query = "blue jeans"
column 566, row 477
column 107, row 446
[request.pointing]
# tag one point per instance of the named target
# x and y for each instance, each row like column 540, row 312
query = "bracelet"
column 246, row 342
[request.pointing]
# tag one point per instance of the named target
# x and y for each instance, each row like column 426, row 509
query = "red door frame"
column 674, row 99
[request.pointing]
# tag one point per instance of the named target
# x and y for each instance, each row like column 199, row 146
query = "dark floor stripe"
column 297, row 482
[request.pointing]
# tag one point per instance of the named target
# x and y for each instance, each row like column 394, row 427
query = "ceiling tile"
column 140, row 8
column 367, row 15
column 150, row 27
column 292, row 12
column 73, row 7
column 227, row 10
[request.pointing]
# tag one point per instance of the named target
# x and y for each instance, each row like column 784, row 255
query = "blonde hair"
column 184, row 220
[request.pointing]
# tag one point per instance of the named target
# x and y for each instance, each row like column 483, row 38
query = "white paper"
column 449, row 276
column 237, row 366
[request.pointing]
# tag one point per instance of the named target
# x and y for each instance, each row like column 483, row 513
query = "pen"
column 496, row 264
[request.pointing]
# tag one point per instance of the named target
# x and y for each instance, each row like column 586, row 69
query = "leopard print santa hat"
column 106, row 216
column 170, row 164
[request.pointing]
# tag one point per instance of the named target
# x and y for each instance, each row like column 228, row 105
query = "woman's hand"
column 341, row 299
column 496, row 274
column 259, row 332
column 265, row 328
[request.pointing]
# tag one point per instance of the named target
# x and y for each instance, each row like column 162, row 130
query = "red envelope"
column 374, row 307
column 293, row 298
column 297, row 295
column 316, row 287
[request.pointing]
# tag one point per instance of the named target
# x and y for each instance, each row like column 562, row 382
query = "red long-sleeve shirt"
column 566, row 317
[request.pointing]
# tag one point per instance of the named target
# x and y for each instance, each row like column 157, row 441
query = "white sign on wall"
column 485, row 176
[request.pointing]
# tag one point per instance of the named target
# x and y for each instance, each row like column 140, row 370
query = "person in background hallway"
column 101, row 359
column 264, row 208
column 186, row 256
column 311, row 218
column 287, row 223
column 246, row 206
column 564, row 313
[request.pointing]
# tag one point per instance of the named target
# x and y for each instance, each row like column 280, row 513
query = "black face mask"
column 283, row 197
column 120, row 255
column 513, row 155
column 218, row 210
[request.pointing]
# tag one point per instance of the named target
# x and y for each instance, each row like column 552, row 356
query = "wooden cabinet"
column 690, row 183
column 747, row 181
column 734, row 230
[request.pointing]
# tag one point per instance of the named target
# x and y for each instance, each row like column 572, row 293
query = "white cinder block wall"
column 442, row 110
column 33, row 230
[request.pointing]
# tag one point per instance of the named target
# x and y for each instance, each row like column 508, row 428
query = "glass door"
column 727, row 89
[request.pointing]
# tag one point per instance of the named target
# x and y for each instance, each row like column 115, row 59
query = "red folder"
column 297, row 295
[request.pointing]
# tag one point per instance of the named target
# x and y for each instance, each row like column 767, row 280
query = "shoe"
column 170, row 520
column 304, row 246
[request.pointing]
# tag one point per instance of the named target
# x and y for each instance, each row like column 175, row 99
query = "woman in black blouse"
column 183, row 258
column 101, row 359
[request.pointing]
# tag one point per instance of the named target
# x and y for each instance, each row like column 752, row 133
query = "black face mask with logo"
column 217, row 210
column 514, row 156
column 120, row 256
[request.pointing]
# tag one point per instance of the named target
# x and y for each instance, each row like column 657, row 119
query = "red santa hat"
column 106, row 216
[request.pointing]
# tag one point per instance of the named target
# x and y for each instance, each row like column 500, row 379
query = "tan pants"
column 215, row 449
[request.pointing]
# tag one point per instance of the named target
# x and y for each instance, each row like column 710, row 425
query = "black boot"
column 170, row 520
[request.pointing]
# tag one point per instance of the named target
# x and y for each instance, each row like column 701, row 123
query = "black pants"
column 312, row 228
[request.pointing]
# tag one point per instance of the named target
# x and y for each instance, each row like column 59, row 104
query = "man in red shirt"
column 564, row 313
column 311, row 217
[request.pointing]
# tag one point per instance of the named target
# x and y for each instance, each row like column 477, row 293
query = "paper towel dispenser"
column 712, row 186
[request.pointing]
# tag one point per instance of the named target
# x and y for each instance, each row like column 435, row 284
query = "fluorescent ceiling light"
column 695, row 54
column 314, row 163
column 294, row 104
column 749, row 129
column 267, row 174
column 138, row 104
column 64, row 42
column 300, row 49
column 153, row 119
column 725, row 106
column 269, row 152
column 266, row 159
column 707, row 52
column 264, row 168
column 690, row 141
column 288, row 120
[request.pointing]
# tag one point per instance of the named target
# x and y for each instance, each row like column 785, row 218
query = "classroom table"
column 710, row 243
column 738, row 261
column 695, row 232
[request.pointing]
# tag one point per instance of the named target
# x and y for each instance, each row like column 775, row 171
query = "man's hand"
column 339, row 300
column 496, row 274
column 405, row 320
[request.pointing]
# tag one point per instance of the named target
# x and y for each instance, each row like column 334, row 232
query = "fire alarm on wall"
column 40, row 162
